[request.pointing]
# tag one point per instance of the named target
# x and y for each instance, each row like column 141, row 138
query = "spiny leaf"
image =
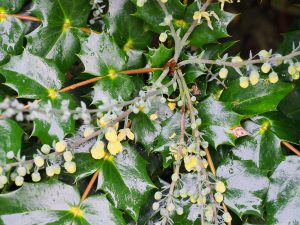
column 218, row 121
column 101, row 56
column 31, row 76
column 262, row 147
column 260, row 98
column 283, row 202
column 124, row 178
column 57, row 37
column 54, row 202
column 10, row 138
column 203, row 35
column 151, row 7
column 246, row 187
column 54, row 127
column 11, row 30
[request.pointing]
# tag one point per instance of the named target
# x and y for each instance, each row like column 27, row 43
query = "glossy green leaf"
column 281, row 126
column 217, row 122
column 10, row 138
column 262, row 147
column 263, row 97
column 203, row 35
column 134, row 34
column 158, row 58
column 283, row 202
column 11, row 6
column 290, row 105
column 165, row 139
column 60, row 19
column 52, row 203
column 124, row 178
column 144, row 129
column 31, row 76
column 110, row 89
column 100, row 55
column 151, row 7
column 246, row 187
column 11, row 37
column 54, row 127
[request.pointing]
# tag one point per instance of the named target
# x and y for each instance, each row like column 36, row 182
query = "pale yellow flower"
column 123, row 133
column 114, row 147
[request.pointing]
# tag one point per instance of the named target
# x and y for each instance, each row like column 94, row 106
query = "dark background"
column 260, row 23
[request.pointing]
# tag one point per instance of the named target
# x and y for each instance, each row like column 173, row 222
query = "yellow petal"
column 114, row 147
column 153, row 116
column 111, row 135
column 121, row 135
column 129, row 134
column 102, row 122
column 172, row 105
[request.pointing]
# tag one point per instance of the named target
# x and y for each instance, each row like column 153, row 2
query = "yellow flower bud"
column 266, row 67
column 223, row 73
column 70, row 167
column 218, row 197
column 254, row 77
column 220, row 187
column 60, row 146
column 102, row 122
column 292, row 69
column 244, row 82
column 273, row 77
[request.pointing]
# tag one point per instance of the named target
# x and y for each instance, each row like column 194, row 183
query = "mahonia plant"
column 141, row 97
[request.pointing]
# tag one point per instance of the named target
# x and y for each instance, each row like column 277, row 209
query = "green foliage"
column 140, row 117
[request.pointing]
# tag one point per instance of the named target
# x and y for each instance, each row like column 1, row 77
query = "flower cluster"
column 48, row 158
column 113, row 136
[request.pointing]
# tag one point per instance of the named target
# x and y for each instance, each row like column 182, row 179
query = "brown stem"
column 142, row 70
column 185, row 2
column 291, row 147
column 80, row 84
column 24, row 17
column 35, row 19
column 89, row 187
column 210, row 162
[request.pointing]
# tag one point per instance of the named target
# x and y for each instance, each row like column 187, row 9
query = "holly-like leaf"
column 109, row 89
column 158, row 58
column 281, row 126
column 203, row 35
column 101, row 56
column 169, row 135
column 132, row 36
column 290, row 105
column 263, row 97
column 246, row 187
column 10, row 138
column 11, row 30
column 61, row 19
column 144, row 129
column 54, row 127
column 124, row 178
column 283, row 202
column 262, row 147
column 31, row 76
column 54, row 202
column 218, row 121
column 151, row 7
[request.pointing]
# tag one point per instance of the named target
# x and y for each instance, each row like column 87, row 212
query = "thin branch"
column 177, row 163
column 238, row 64
column 191, row 29
column 89, row 187
column 291, row 147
